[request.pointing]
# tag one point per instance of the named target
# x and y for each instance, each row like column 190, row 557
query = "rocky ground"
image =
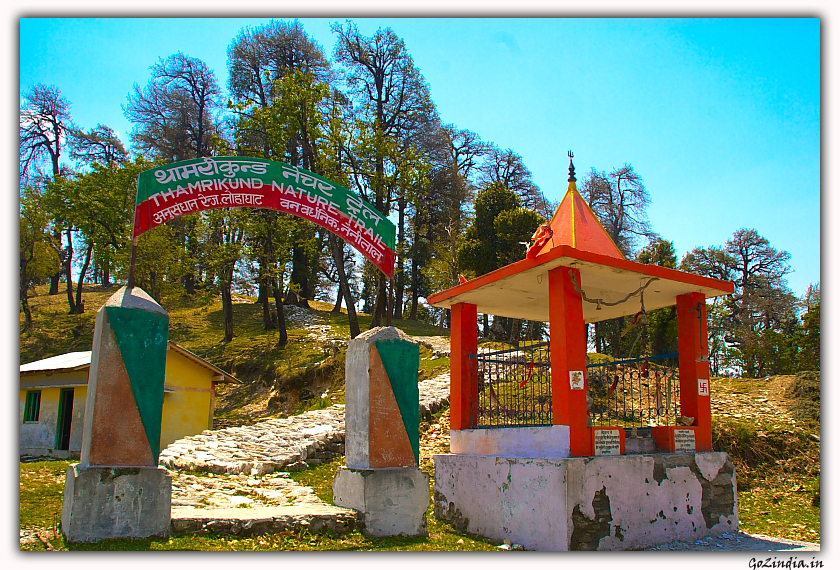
column 764, row 402
column 737, row 541
column 249, row 465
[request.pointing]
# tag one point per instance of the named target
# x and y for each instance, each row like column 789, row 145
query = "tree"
column 620, row 201
column 279, row 82
column 508, row 168
column 99, row 144
column 226, row 232
column 661, row 326
column 484, row 250
column 808, row 338
column 96, row 210
column 257, row 59
column 38, row 254
column 177, row 115
column 44, row 124
column 392, row 101
column 494, row 238
column 439, row 209
column 761, row 302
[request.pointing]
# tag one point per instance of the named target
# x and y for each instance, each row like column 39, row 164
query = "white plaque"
column 576, row 379
column 703, row 386
column 607, row 442
column 685, row 440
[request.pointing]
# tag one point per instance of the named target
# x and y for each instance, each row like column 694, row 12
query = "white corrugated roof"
column 62, row 362
column 81, row 360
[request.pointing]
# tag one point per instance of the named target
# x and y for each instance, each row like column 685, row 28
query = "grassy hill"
column 277, row 381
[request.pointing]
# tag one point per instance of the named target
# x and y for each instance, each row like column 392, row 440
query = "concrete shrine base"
column 391, row 502
column 588, row 503
column 116, row 502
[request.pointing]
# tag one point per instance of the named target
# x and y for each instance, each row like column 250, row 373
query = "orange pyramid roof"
column 575, row 224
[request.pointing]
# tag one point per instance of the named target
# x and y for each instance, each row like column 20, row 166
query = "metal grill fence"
column 514, row 387
column 638, row 392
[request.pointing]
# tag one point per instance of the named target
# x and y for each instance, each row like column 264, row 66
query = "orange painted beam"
column 568, row 251
column 693, row 341
column 568, row 358
column 463, row 379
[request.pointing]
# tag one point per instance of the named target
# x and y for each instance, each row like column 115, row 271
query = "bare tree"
column 99, row 144
column 177, row 114
column 44, row 124
column 508, row 168
column 620, row 201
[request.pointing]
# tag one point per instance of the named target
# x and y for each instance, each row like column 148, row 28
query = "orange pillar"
column 693, row 334
column 463, row 380
column 568, row 358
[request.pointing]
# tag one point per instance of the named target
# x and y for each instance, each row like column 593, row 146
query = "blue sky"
column 721, row 117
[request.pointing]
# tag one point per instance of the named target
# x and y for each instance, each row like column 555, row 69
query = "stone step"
column 263, row 520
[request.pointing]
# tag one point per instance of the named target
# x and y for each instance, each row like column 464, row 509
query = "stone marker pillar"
column 382, row 479
column 118, row 490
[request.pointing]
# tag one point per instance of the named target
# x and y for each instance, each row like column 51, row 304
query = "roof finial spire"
column 571, row 167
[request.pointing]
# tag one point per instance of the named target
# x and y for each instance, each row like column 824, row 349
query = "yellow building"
column 53, row 393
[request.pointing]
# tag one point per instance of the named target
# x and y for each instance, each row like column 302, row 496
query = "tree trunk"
column 269, row 320
column 80, row 304
column 515, row 330
column 599, row 339
column 301, row 276
column 486, row 318
column 55, row 279
column 227, row 305
column 399, row 292
column 106, row 268
column 344, row 285
column 189, row 283
column 415, row 287
column 338, row 297
column 68, row 271
column 281, row 315
column 380, row 306
column 28, row 325
column 399, row 289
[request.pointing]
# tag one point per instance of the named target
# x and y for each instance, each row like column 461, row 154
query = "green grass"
column 42, row 493
column 783, row 508
column 430, row 366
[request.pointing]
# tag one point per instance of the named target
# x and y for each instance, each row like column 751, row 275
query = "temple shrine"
column 557, row 453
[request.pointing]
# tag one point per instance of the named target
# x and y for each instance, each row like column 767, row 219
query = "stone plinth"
column 381, row 480
column 391, row 501
column 117, row 490
column 116, row 502
column 542, row 441
column 588, row 503
column 383, row 400
column 124, row 404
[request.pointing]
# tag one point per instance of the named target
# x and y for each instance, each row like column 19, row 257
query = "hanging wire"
column 600, row 302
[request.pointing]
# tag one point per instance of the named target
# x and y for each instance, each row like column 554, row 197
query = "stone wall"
column 588, row 503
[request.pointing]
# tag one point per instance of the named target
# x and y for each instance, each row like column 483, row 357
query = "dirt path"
column 737, row 541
